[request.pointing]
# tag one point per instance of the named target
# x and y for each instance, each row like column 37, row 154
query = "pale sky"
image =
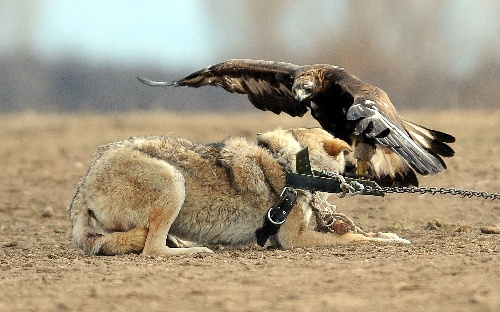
column 124, row 30
column 179, row 33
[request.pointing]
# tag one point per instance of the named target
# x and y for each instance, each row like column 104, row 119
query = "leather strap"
column 276, row 216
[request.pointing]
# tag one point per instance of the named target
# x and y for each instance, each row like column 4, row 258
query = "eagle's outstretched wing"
column 267, row 84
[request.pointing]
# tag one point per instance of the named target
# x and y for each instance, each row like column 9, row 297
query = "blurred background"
column 59, row 55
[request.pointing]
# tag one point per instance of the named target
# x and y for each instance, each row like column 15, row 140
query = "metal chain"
column 354, row 187
column 434, row 191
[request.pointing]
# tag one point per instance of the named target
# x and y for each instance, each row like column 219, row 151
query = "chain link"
column 433, row 191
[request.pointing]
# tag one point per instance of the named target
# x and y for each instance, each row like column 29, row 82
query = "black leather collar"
column 276, row 215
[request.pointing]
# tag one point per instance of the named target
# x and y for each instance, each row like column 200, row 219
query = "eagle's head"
column 307, row 84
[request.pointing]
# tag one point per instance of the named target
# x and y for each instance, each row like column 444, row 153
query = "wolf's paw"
column 387, row 238
column 167, row 251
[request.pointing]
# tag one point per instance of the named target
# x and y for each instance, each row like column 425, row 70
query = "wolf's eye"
column 264, row 145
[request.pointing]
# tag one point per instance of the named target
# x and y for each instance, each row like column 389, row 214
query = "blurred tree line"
column 411, row 49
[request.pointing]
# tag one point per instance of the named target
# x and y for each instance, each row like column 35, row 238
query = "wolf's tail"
column 95, row 242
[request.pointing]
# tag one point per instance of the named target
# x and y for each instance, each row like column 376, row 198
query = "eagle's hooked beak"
column 301, row 94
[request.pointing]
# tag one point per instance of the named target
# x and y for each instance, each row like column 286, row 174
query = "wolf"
column 163, row 195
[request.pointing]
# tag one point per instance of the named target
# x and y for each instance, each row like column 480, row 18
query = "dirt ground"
column 451, row 267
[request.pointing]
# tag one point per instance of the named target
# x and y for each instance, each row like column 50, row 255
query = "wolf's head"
column 325, row 151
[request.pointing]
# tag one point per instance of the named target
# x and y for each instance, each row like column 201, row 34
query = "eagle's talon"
column 362, row 169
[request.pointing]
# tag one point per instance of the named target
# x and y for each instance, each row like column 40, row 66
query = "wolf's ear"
column 334, row 147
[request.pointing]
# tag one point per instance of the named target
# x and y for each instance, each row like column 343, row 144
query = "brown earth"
column 451, row 265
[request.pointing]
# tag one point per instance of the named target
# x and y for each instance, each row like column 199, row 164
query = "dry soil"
column 450, row 266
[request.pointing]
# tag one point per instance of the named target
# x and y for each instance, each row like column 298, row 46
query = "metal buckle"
column 284, row 200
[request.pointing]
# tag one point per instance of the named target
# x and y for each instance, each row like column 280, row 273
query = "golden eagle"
column 350, row 109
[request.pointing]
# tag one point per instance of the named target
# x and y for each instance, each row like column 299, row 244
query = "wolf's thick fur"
column 139, row 191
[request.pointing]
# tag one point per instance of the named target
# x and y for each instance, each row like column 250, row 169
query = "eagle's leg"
column 361, row 168
column 363, row 154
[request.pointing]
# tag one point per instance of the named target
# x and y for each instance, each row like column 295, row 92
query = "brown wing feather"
column 267, row 84
column 362, row 91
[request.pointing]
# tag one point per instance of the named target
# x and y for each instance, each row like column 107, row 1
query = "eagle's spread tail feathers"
column 432, row 141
